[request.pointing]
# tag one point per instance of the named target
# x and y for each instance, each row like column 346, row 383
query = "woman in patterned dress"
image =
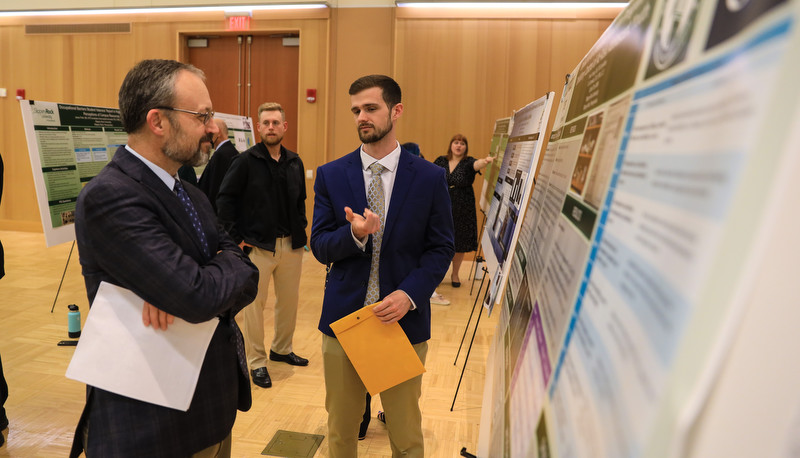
column 461, row 170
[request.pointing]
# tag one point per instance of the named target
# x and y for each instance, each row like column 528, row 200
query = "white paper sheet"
column 117, row 353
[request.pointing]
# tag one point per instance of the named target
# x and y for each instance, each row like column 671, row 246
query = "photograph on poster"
column 733, row 16
column 586, row 153
column 672, row 35
column 606, row 152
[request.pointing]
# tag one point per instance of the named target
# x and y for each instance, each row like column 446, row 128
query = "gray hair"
column 149, row 84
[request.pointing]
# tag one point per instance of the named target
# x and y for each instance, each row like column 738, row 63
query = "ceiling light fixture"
column 511, row 5
column 177, row 9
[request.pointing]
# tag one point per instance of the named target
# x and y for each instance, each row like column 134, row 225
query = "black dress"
column 463, row 200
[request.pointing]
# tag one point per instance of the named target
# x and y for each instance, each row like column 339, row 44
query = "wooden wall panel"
column 88, row 69
column 361, row 44
column 459, row 75
column 101, row 68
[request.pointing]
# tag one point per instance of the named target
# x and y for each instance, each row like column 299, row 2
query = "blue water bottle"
column 73, row 321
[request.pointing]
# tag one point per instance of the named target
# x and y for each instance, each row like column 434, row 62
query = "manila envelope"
column 381, row 353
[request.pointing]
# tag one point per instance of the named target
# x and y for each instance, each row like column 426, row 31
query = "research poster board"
column 663, row 153
column 513, row 185
column 69, row 144
column 497, row 147
column 240, row 130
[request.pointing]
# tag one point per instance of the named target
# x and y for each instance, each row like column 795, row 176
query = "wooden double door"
column 245, row 70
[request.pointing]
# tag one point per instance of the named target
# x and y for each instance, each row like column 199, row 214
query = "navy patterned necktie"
column 187, row 204
column 239, row 338
column 193, row 217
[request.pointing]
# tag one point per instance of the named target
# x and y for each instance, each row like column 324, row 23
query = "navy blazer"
column 134, row 232
column 417, row 244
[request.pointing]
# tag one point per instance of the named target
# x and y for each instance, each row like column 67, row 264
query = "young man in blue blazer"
column 396, row 250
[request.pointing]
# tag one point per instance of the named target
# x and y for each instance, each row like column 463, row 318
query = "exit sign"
column 238, row 23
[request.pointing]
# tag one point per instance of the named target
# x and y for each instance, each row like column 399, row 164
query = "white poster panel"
column 513, row 188
column 685, row 144
column 638, row 246
column 69, row 144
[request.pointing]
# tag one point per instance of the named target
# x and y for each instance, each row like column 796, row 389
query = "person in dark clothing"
column 218, row 165
column 187, row 174
column 461, row 170
column 262, row 204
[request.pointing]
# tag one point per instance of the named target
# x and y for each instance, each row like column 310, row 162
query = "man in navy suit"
column 396, row 251
column 140, row 228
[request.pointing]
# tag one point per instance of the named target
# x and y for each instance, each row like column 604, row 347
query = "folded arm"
column 127, row 242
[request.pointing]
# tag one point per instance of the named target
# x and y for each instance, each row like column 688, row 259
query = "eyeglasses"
column 204, row 116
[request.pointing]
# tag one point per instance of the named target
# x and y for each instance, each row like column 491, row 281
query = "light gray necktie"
column 377, row 203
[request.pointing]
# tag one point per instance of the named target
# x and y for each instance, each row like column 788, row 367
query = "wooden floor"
column 43, row 406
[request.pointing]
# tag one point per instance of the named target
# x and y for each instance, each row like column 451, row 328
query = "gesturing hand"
column 363, row 226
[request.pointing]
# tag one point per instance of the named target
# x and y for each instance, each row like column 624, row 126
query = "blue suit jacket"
column 134, row 232
column 417, row 242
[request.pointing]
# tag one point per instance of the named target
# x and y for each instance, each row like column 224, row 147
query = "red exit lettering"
column 238, row 23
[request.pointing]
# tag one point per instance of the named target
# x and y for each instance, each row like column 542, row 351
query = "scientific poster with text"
column 69, row 144
column 502, row 127
column 512, row 189
column 634, row 243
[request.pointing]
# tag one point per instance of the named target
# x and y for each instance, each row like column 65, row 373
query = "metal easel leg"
column 62, row 277
column 469, row 349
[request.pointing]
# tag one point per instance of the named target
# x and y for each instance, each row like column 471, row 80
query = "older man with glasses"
column 139, row 227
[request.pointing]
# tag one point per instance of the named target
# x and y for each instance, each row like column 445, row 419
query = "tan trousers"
column 220, row 450
column 344, row 401
column 284, row 267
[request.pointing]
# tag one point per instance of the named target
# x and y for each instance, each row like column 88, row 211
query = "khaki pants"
column 344, row 401
column 284, row 267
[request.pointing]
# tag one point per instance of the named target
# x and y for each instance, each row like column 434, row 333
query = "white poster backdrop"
column 512, row 190
column 702, row 111
column 68, row 145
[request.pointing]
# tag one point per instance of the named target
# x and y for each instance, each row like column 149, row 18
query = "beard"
column 194, row 157
column 178, row 147
column 272, row 141
column 376, row 135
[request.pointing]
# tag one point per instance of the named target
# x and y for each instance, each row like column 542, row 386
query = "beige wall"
column 361, row 45
column 88, row 69
column 458, row 74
